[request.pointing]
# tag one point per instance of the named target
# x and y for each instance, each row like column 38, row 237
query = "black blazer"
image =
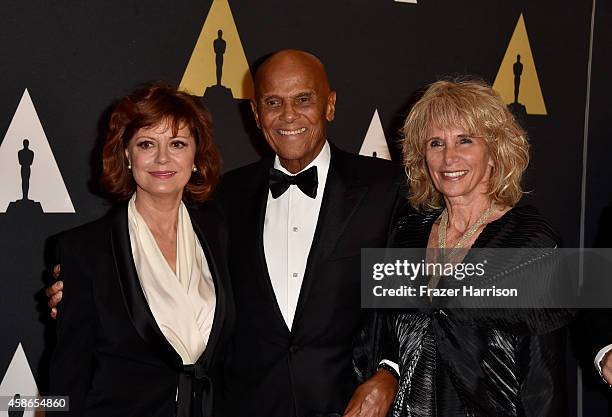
column 111, row 357
column 306, row 371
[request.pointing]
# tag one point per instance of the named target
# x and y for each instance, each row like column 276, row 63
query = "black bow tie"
column 306, row 181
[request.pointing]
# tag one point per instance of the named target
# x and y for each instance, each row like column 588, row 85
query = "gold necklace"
column 451, row 255
column 468, row 233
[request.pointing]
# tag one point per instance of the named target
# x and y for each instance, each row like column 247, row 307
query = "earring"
column 129, row 165
column 194, row 169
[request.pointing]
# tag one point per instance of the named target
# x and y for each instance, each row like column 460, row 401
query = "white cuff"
column 395, row 366
column 600, row 356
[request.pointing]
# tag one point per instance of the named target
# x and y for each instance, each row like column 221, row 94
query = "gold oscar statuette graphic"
column 517, row 79
column 218, row 59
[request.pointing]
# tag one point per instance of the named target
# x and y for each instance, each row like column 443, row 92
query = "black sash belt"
column 194, row 390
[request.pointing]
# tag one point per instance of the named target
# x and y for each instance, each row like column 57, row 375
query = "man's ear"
column 254, row 110
column 330, row 111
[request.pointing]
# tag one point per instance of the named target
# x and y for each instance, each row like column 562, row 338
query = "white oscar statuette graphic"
column 375, row 143
column 19, row 379
column 27, row 165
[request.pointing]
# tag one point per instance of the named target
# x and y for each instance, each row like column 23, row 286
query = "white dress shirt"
column 289, row 227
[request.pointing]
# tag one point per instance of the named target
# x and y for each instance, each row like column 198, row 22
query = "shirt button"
column 295, row 229
column 293, row 348
column 295, row 275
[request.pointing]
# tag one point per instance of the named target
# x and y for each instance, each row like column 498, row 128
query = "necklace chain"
column 468, row 233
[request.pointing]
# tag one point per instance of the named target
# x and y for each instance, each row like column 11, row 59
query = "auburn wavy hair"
column 473, row 106
column 156, row 103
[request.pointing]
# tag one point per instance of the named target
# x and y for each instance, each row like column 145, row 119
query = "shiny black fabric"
column 476, row 362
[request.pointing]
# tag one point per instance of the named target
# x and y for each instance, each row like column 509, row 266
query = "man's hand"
column 54, row 292
column 374, row 397
column 606, row 367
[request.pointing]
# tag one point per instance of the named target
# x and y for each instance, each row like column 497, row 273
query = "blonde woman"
column 465, row 156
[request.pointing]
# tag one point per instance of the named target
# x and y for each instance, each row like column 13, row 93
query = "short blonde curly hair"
column 473, row 106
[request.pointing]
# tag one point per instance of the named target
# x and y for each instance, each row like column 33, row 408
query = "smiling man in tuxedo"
column 297, row 224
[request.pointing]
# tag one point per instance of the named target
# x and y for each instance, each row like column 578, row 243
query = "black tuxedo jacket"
column 111, row 357
column 272, row 371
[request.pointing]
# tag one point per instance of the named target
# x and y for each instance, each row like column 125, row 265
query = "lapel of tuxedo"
column 342, row 196
column 254, row 210
column 133, row 296
column 206, row 228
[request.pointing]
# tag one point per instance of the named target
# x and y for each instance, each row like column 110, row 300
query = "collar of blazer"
column 135, row 302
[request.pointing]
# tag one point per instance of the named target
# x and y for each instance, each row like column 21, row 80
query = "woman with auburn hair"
column 464, row 156
column 147, row 306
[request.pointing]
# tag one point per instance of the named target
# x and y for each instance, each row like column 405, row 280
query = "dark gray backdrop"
column 76, row 57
